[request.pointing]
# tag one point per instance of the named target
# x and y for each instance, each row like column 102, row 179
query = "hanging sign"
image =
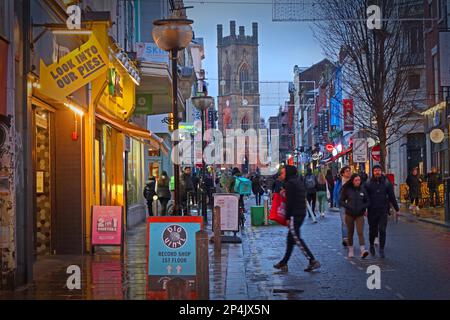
column 74, row 70
column 348, row 115
column 437, row 135
column 144, row 103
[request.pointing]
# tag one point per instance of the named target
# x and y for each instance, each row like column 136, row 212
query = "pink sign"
column 106, row 225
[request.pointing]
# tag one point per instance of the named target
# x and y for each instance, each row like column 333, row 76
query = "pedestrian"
column 322, row 194
column 209, row 188
column 413, row 181
column 345, row 175
column 381, row 196
column 355, row 201
column 149, row 193
column 163, row 192
column 330, row 181
column 257, row 189
column 186, row 187
column 295, row 215
column 195, row 182
column 311, row 192
column 433, row 181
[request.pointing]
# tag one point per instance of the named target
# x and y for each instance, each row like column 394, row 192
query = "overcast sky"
column 282, row 45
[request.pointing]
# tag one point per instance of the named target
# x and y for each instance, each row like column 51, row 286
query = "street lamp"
column 173, row 35
column 202, row 103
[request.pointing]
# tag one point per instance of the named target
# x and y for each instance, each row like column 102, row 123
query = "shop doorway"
column 44, row 186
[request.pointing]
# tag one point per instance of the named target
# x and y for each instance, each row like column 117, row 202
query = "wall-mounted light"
column 75, row 109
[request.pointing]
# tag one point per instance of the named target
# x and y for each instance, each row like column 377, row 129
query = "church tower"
column 238, row 101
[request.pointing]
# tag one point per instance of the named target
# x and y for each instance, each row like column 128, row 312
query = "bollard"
column 217, row 231
column 177, row 289
column 202, row 283
column 266, row 211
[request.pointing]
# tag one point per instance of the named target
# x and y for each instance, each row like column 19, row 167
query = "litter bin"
column 257, row 215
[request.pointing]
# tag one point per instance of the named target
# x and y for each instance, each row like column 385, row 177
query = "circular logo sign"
column 142, row 101
column 437, row 135
column 174, row 236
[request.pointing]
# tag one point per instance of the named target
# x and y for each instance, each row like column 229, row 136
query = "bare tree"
column 376, row 64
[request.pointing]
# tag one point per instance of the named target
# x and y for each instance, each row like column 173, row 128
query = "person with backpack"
column 295, row 215
column 355, row 201
column 381, row 196
column 257, row 189
column 322, row 188
column 149, row 193
column 345, row 175
column 163, row 192
column 311, row 192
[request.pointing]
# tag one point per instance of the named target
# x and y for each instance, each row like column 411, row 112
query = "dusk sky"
column 282, row 45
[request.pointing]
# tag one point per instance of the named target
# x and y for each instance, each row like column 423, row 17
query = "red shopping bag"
column 278, row 209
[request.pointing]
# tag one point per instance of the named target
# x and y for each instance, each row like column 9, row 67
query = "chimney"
column 255, row 31
column 219, row 34
column 241, row 31
column 233, row 28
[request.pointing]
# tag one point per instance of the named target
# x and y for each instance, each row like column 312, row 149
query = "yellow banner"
column 74, row 70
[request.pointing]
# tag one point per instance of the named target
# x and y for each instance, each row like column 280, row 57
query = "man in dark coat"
column 295, row 215
column 381, row 196
column 434, row 179
column 413, row 181
column 186, row 187
column 149, row 193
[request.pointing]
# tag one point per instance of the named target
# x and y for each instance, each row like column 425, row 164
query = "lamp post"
column 173, row 35
column 202, row 103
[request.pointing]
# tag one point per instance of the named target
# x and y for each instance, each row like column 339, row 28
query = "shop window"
column 414, row 82
column 136, row 178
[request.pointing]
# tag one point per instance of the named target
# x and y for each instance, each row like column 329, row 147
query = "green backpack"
column 243, row 186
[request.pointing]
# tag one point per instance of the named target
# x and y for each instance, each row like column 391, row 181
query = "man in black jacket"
column 381, row 196
column 295, row 215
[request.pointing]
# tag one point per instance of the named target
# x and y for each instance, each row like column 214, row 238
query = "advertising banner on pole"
column 348, row 115
column 171, row 252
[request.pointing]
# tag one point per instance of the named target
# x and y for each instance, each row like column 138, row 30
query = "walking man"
column 345, row 175
column 295, row 215
column 381, row 196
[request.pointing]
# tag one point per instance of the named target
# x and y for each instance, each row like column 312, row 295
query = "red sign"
column 106, row 226
column 348, row 114
column 376, row 153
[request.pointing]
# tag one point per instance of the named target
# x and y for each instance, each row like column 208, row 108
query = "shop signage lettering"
column 107, row 225
column 74, row 70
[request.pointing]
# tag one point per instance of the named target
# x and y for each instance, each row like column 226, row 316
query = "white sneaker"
column 351, row 252
column 322, row 215
column 377, row 241
column 411, row 207
column 364, row 252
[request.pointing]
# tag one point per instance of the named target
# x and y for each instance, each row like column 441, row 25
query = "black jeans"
column 150, row 208
column 164, row 202
column 258, row 198
column 377, row 226
column 311, row 198
column 294, row 238
column 434, row 197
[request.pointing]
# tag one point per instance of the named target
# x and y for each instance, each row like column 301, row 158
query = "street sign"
column 229, row 209
column 376, row 153
column 359, row 150
column 171, row 251
column 437, row 135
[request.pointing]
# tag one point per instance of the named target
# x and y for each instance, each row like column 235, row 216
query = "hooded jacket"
column 381, row 194
column 295, row 194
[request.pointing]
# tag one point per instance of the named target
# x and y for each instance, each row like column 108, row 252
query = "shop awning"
column 133, row 130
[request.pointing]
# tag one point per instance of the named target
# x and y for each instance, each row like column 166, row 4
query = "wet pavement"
column 416, row 267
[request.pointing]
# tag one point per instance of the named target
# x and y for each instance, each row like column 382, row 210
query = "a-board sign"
column 171, row 251
column 107, row 226
column 229, row 210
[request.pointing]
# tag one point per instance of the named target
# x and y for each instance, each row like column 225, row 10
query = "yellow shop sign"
column 74, row 70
